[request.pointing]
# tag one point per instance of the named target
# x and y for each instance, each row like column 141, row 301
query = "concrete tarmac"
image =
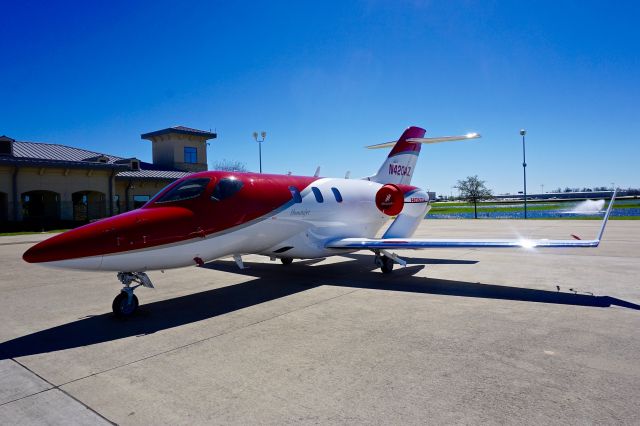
column 462, row 336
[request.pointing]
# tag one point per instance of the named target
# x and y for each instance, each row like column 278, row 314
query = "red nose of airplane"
column 129, row 231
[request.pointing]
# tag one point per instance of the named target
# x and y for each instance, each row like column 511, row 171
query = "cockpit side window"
column 225, row 188
column 190, row 188
column 295, row 194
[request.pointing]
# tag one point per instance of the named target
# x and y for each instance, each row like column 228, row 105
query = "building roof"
column 151, row 171
column 53, row 155
column 182, row 130
column 50, row 151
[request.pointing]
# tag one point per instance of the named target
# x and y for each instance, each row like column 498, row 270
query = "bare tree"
column 472, row 189
column 229, row 166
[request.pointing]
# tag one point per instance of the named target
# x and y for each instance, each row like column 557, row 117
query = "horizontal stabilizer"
column 428, row 140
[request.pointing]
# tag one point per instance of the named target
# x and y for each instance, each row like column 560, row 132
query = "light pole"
column 263, row 135
column 524, row 171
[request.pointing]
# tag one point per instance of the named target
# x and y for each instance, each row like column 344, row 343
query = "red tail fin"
column 402, row 146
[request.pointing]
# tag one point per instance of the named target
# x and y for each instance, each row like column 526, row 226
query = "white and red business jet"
column 210, row 215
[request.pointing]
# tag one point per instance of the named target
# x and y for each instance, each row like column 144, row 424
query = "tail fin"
column 399, row 166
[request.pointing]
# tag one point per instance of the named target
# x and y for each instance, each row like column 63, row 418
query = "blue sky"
column 326, row 78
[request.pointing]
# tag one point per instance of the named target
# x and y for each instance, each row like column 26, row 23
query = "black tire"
column 286, row 260
column 122, row 308
column 387, row 265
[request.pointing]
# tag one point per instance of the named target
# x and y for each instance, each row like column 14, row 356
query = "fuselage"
column 210, row 215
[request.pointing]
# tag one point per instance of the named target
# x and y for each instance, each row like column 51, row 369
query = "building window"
column 5, row 147
column 295, row 194
column 337, row 194
column 190, row 155
column 139, row 201
column 318, row 194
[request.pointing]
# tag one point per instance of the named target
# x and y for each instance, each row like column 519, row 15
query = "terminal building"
column 46, row 186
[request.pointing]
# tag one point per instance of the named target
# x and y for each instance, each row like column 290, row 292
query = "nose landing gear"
column 126, row 303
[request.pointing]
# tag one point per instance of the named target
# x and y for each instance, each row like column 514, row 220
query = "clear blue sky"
column 325, row 78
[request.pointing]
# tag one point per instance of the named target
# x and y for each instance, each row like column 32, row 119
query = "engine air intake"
column 390, row 199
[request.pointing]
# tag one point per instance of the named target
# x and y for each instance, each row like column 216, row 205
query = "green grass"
column 11, row 234
column 586, row 218
column 446, row 208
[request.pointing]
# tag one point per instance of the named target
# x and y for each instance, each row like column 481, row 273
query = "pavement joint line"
column 54, row 387
column 204, row 339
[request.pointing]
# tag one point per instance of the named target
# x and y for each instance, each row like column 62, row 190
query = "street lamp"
column 524, row 171
column 263, row 135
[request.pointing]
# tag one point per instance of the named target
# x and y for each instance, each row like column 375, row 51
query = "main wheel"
column 387, row 264
column 286, row 260
column 121, row 306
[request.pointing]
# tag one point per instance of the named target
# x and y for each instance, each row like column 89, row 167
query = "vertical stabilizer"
column 399, row 165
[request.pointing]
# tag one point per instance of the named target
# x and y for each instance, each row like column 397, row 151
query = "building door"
column 41, row 209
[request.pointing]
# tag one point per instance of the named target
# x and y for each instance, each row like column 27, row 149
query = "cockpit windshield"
column 225, row 188
column 190, row 188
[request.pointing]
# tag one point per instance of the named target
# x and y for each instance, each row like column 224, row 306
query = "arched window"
column 318, row 194
column 337, row 194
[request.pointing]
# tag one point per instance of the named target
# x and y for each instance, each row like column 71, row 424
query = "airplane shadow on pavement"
column 274, row 281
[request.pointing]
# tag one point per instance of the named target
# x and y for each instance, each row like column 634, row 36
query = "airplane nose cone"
column 58, row 247
column 134, row 230
column 31, row 255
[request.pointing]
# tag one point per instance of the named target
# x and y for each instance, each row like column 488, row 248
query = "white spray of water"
column 588, row 207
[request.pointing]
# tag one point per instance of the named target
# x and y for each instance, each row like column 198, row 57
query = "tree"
column 472, row 189
column 229, row 166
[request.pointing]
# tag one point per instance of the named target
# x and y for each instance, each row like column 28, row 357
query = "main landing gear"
column 125, row 304
column 385, row 260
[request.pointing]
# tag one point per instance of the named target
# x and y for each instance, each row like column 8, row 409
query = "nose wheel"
column 126, row 303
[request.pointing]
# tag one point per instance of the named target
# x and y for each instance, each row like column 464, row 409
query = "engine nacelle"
column 390, row 199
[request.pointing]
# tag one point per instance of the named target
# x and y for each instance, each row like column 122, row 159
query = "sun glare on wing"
column 527, row 244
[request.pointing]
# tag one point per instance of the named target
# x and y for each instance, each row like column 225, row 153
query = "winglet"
column 606, row 215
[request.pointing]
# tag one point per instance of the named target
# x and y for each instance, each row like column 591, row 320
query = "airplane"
column 215, row 214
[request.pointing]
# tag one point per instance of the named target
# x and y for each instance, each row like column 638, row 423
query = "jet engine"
column 390, row 199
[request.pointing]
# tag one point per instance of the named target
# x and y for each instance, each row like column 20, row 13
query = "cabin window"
column 190, row 188
column 318, row 194
column 337, row 194
column 190, row 155
column 226, row 188
column 295, row 194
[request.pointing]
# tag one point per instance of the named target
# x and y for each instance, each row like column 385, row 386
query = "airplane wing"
column 423, row 243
